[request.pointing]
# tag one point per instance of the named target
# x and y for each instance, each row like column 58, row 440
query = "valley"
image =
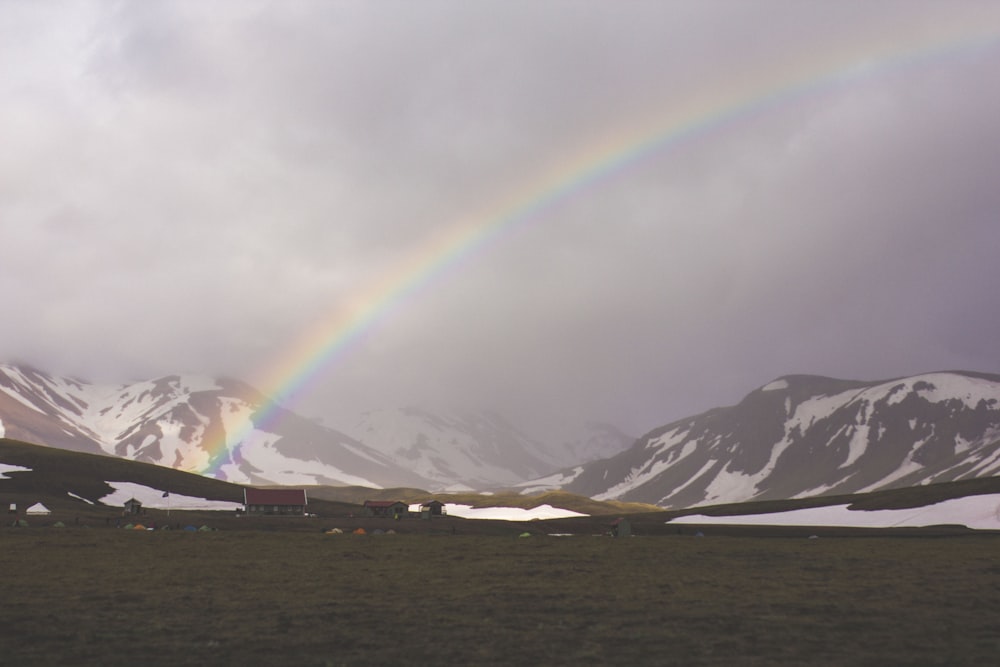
column 107, row 597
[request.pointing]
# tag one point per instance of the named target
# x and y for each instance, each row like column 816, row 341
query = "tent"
column 525, row 535
column 128, row 526
column 58, row 524
column 360, row 531
column 190, row 529
column 38, row 509
column 138, row 526
column 204, row 529
column 335, row 531
column 20, row 523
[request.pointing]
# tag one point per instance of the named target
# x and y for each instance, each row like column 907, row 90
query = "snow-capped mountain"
column 476, row 450
column 591, row 441
column 806, row 435
column 227, row 429
column 219, row 427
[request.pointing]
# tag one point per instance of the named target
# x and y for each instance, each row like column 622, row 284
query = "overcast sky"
column 194, row 186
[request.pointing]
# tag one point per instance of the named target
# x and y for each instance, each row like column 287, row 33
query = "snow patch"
column 554, row 481
column 635, row 479
column 780, row 383
column 153, row 498
column 507, row 513
column 978, row 512
column 4, row 467
column 730, row 486
column 73, row 495
column 858, row 444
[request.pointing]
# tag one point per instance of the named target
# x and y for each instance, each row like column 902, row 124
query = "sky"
column 664, row 204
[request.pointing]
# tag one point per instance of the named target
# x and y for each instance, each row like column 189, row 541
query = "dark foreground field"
column 107, row 597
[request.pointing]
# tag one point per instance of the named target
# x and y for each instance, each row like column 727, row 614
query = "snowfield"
column 153, row 498
column 504, row 513
column 5, row 467
column 977, row 512
column 73, row 495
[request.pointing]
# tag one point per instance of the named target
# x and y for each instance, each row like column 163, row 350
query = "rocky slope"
column 219, row 427
column 806, row 435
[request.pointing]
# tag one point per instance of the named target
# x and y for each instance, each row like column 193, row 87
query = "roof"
column 383, row 503
column 432, row 502
column 274, row 496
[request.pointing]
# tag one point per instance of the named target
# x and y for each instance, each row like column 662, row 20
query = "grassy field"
column 101, row 596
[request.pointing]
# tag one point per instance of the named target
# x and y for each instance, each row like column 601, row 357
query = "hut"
column 621, row 527
column 133, row 506
column 432, row 508
column 386, row 508
column 275, row 502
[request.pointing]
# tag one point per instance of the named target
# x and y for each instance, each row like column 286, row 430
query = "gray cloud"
column 196, row 186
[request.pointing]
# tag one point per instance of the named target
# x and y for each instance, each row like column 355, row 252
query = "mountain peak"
column 803, row 435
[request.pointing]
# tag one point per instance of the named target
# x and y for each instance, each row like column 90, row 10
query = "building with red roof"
column 281, row 502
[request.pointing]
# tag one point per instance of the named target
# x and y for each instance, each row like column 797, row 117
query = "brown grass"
column 110, row 597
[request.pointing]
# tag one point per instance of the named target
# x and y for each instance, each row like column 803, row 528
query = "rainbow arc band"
column 331, row 338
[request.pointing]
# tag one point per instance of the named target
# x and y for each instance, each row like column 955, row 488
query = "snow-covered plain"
column 978, row 512
column 5, row 467
column 153, row 498
column 504, row 513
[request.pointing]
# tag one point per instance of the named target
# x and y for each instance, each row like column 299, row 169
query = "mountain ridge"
column 802, row 435
column 189, row 423
column 229, row 429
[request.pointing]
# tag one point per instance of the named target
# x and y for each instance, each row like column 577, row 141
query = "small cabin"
column 394, row 509
column 275, row 502
column 133, row 506
column 431, row 508
column 13, row 509
column 621, row 528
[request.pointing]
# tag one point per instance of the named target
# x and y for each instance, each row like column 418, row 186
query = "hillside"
column 79, row 484
column 226, row 429
column 802, row 436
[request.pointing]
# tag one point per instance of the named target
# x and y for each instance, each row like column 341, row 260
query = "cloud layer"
column 194, row 187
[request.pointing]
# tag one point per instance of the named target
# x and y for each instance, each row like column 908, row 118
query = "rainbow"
column 333, row 337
